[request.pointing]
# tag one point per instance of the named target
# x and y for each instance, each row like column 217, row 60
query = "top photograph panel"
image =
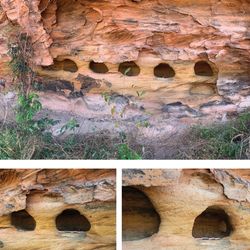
column 124, row 79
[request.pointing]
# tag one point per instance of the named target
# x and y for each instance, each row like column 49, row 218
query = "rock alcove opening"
column 202, row 68
column 163, row 70
column 72, row 220
column 99, row 68
column 22, row 220
column 129, row 69
column 139, row 217
column 66, row 65
column 212, row 223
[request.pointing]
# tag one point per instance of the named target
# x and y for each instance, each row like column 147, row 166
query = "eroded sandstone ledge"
column 188, row 57
column 198, row 209
column 57, row 209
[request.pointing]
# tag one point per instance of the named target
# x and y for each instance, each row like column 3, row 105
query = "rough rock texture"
column 150, row 68
column 178, row 33
column 44, row 194
column 199, row 209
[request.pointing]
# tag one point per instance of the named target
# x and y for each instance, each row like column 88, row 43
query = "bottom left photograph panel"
column 58, row 209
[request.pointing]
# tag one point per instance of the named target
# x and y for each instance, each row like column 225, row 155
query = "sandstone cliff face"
column 57, row 209
column 192, row 55
column 198, row 209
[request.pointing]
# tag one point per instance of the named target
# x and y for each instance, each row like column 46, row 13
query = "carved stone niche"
column 57, row 209
column 185, row 209
column 195, row 53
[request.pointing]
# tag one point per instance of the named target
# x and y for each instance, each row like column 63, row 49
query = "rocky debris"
column 179, row 110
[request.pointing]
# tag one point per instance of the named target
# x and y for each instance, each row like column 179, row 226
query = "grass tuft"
column 230, row 140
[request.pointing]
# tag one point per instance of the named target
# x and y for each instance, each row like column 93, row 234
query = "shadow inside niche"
column 212, row 223
column 65, row 65
column 163, row 70
column 202, row 68
column 22, row 220
column 139, row 217
column 99, row 68
column 129, row 69
column 72, row 220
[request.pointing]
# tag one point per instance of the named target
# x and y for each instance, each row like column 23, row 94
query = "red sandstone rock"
column 178, row 33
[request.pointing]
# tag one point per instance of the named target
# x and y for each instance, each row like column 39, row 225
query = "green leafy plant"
column 30, row 136
column 28, row 104
column 71, row 125
column 144, row 124
column 107, row 97
column 21, row 53
column 140, row 93
column 127, row 70
column 126, row 153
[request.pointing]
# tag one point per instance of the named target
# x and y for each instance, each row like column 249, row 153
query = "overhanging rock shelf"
column 191, row 209
column 193, row 53
column 57, row 209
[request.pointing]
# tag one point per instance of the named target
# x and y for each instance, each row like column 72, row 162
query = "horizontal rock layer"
column 44, row 194
column 178, row 33
column 181, row 197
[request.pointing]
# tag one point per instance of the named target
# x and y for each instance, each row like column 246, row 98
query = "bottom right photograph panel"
column 186, row 209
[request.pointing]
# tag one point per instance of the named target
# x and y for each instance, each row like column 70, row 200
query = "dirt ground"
column 154, row 136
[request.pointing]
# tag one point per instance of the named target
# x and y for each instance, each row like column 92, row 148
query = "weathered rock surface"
column 44, row 194
column 148, row 68
column 86, row 40
column 198, row 209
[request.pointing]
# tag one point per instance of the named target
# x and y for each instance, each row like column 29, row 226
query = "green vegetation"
column 230, row 140
column 30, row 137
column 126, row 153
column 14, row 144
